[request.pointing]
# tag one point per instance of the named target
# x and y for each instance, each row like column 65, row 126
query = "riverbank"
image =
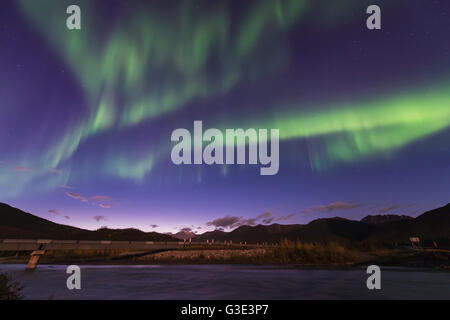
column 287, row 254
column 423, row 260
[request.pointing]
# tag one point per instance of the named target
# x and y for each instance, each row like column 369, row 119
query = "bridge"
column 39, row 247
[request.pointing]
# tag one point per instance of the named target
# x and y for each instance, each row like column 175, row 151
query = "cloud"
column 154, row 226
column 268, row 220
column 104, row 201
column 22, row 169
column 55, row 170
column 76, row 196
column 64, row 186
column 100, row 218
column 246, row 222
column 285, row 217
column 55, row 212
column 101, row 199
column 186, row 229
column 389, row 208
column 233, row 222
column 266, row 217
column 225, row 222
column 331, row 207
column 265, row 214
column 198, row 228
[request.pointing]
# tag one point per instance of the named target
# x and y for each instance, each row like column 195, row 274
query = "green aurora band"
column 157, row 64
column 155, row 67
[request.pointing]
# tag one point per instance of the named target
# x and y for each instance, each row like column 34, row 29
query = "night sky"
column 86, row 115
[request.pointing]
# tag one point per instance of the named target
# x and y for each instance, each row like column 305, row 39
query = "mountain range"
column 430, row 226
column 16, row 224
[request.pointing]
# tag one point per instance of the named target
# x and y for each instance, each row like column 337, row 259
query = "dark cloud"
column 67, row 217
column 265, row 214
column 225, row 222
column 186, row 229
column 285, row 217
column 389, row 208
column 266, row 217
column 76, row 196
column 230, row 222
column 331, row 207
column 268, row 220
column 154, row 226
column 246, row 222
column 100, row 218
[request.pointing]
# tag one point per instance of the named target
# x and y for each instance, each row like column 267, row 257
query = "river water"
column 227, row 282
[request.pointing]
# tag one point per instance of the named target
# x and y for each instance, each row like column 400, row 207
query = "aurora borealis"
column 86, row 115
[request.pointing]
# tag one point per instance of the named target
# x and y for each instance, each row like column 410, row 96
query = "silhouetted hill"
column 216, row 235
column 379, row 219
column 433, row 225
column 129, row 234
column 251, row 234
column 439, row 215
column 333, row 229
column 16, row 224
column 321, row 230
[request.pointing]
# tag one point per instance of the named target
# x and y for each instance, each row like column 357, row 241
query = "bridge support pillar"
column 35, row 256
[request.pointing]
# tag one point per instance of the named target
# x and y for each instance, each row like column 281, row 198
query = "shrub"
column 9, row 289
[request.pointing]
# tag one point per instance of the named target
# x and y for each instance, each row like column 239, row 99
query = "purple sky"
column 86, row 115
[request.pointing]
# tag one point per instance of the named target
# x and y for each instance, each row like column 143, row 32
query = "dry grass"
column 288, row 252
column 205, row 256
column 311, row 253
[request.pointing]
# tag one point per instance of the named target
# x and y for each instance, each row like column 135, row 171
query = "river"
column 228, row 282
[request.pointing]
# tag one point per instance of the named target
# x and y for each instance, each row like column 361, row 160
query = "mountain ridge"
column 433, row 225
column 385, row 218
column 17, row 224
